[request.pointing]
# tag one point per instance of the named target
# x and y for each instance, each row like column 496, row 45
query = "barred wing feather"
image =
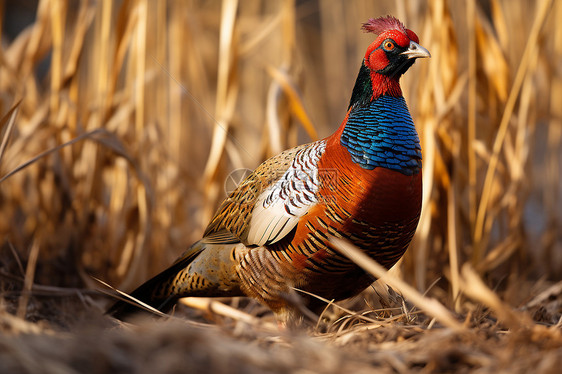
column 271, row 201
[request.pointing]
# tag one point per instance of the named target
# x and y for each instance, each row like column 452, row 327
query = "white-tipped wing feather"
column 279, row 207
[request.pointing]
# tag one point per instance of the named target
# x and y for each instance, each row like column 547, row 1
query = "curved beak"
column 416, row 51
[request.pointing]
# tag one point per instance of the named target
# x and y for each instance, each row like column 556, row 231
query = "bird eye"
column 388, row 45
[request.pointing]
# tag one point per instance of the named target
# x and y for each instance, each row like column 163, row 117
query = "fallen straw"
column 216, row 307
column 430, row 306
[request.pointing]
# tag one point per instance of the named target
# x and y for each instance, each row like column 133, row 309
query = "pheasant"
column 363, row 183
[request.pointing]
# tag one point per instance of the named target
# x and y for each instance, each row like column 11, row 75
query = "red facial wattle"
column 376, row 58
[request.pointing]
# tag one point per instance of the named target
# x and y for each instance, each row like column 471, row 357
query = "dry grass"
column 122, row 120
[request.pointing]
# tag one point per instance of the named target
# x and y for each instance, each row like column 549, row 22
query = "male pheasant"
column 363, row 183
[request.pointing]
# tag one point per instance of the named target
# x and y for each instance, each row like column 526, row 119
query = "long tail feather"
column 153, row 292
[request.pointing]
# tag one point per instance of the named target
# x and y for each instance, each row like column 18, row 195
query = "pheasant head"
column 391, row 54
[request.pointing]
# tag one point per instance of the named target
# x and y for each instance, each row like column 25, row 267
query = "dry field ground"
column 122, row 121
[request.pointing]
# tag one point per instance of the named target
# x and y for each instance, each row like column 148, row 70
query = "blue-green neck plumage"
column 382, row 134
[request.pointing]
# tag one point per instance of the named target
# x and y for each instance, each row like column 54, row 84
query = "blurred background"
column 132, row 114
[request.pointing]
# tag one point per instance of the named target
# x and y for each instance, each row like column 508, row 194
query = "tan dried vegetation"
column 120, row 122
